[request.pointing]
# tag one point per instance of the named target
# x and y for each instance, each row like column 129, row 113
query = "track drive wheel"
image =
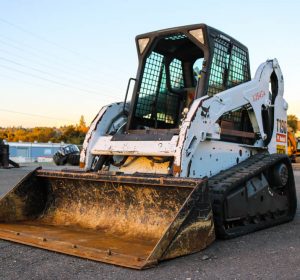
column 255, row 194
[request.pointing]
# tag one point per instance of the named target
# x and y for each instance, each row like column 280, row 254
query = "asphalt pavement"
column 273, row 253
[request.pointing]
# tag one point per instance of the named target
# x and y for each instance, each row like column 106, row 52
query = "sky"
column 60, row 59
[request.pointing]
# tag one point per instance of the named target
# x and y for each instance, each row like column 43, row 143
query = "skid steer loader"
column 199, row 151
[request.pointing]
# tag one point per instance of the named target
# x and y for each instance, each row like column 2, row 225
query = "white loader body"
column 198, row 150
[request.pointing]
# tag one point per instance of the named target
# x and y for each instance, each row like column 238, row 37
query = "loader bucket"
column 131, row 221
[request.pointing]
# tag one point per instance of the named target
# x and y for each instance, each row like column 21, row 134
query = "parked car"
column 68, row 154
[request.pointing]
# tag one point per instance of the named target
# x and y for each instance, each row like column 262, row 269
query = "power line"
column 88, row 101
column 42, row 86
column 30, row 83
column 70, row 73
column 26, row 82
column 39, row 70
column 59, row 59
column 46, row 40
column 35, row 69
column 39, row 37
column 53, row 81
column 34, row 115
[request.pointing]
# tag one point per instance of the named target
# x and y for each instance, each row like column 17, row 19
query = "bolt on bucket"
column 130, row 221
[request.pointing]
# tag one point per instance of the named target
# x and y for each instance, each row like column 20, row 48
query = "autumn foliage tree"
column 292, row 121
column 73, row 134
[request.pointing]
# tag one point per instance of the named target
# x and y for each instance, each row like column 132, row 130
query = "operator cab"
column 178, row 65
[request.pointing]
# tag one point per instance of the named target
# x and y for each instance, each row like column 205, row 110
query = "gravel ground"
column 269, row 254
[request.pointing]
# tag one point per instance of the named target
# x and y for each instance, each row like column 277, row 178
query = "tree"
column 292, row 121
column 82, row 125
column 73, row 134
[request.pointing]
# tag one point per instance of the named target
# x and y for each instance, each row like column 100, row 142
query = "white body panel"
column 197, row 150
column 98, row 128
column 105, row 146
column 211, row 157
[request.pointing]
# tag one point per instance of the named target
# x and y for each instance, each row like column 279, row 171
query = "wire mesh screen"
column 238, row 69
column 148, row 89
column 229, row 67
column 176, row 74
column 154, row 101
column 166, row 110
column 219, row 65
column 176, row 37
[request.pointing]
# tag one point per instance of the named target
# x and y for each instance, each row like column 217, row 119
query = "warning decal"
column 281, row 137
column 281, row 149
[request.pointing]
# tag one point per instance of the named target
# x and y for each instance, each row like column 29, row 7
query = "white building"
column 33, row 152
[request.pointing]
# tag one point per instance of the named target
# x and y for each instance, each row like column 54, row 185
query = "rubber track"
column 223, row 183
